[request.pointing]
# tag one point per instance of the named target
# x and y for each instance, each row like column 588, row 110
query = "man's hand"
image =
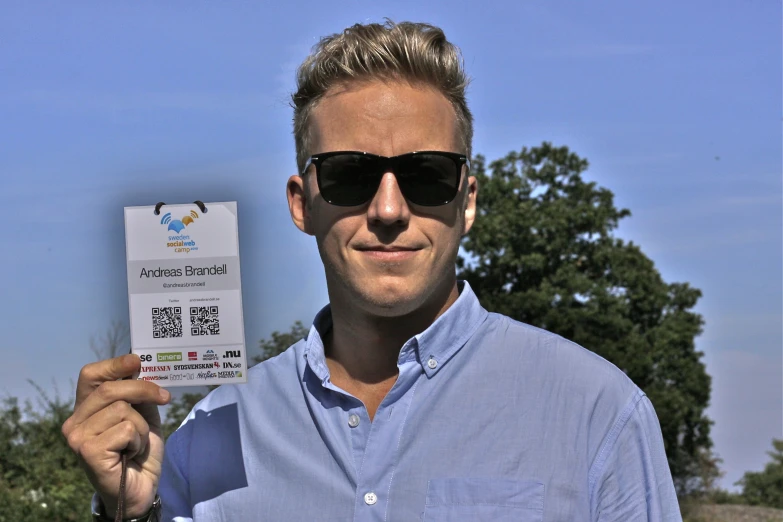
column 104, row 424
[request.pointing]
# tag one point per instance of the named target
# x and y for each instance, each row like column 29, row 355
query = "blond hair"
column 412, row 52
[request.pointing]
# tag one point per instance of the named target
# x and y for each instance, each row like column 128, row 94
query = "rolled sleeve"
column 632, row 477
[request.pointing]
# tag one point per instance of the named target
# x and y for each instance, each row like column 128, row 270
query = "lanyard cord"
column 123, row 476
column 121, row 496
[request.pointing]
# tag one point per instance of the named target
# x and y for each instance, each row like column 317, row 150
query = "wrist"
column 100, row 512
column 106, row 508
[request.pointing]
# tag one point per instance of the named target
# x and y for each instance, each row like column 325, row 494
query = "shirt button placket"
column 375, row 462
column 372, row 508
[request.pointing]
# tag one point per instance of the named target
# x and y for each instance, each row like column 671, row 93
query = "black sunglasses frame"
column 389, row 164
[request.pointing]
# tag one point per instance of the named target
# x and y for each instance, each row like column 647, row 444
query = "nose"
column 388, row 206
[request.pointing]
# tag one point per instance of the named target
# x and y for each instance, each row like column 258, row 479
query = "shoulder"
column 592, row 393
column 559, row 359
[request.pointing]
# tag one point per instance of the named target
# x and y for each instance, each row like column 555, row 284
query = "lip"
column 388, row 253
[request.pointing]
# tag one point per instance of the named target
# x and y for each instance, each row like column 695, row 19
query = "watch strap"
column 99, row 515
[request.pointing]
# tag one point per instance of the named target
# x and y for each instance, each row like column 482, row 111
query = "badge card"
column 185, row 294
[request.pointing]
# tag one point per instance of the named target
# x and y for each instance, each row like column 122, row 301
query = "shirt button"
column 353, row 420
column 432, row 363
column 370, row 498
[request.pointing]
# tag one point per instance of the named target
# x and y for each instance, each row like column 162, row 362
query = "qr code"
column 167, row 322
column 204, row 320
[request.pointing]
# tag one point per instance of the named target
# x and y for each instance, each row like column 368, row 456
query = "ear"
column 469, row 210
column 298, row 205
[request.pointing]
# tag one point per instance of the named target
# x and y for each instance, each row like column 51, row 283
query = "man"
column 407, row 400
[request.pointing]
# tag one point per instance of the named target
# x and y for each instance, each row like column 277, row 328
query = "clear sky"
column 677, row 106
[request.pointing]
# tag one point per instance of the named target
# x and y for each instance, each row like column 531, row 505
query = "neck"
column 363, row 348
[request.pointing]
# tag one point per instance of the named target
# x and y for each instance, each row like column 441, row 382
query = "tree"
column 40, row 478
column 765, row 488
column 542, row 251
column 280, row 342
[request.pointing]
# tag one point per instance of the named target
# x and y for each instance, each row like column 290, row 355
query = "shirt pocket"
column 484, row 499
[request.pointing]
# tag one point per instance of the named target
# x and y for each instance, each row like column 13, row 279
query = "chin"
column 391, row 296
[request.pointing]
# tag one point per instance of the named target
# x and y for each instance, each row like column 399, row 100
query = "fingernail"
column 164, row 394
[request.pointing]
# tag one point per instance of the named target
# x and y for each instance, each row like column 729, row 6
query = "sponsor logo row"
column 197, row 366
column 193, row 376
column 209, row 355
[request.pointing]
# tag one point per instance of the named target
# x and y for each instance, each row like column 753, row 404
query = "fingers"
column 134, row 392
column 94, row 374
column 112, row 415
column 104, row 449
column 115, row 414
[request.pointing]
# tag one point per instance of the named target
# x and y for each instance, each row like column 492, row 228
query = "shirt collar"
column 432, row 348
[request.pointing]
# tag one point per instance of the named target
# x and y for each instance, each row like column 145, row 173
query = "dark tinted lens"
column 348, row 179
column 428, row 179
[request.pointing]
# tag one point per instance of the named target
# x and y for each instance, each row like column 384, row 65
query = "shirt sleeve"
column 174, row 488
column 632, row 478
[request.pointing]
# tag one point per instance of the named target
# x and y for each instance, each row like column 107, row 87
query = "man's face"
column 388, row 256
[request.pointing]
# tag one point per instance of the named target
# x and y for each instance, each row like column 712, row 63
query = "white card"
column 185, row 294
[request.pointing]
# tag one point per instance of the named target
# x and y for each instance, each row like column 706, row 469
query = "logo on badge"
column 177, row 225
column 169, row 356
column 180, row 242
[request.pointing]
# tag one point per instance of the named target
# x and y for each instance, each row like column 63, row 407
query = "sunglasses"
column 350, row 178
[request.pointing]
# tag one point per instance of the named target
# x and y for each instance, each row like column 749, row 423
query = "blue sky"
column 677, row 106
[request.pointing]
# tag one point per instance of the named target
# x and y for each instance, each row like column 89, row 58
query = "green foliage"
column 280, row 342
column 765, row 488
column 722, row 496
column 40, row 478
column 542, row 251
column 179, row 407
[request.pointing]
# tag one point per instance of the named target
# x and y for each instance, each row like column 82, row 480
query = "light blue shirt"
column 489, row 419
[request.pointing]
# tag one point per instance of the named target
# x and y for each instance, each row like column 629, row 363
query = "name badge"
column 185, row 294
